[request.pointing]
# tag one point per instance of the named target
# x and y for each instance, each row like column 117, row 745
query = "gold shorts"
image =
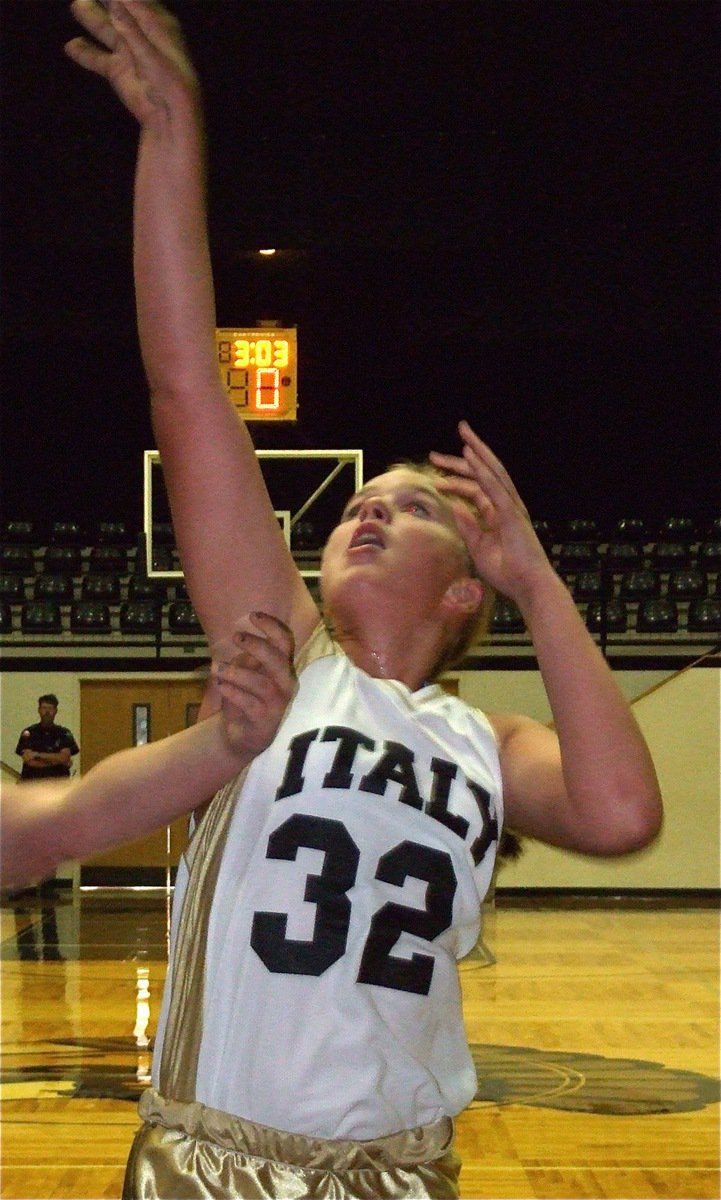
column 190, row 1152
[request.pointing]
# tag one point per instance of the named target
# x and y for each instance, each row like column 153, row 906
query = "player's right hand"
column 257, row 684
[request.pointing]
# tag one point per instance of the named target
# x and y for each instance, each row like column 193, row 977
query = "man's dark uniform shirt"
column 47, row 739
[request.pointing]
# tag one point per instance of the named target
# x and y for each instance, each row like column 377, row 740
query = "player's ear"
column 464, row 595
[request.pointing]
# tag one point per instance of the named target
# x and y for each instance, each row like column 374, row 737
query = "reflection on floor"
column 94, row 924
column 595, row 1038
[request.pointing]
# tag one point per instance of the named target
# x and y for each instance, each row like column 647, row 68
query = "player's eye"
column 417, row 508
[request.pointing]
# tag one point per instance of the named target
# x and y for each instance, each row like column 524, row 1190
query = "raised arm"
column 589, row 784
column 133, row 792
column 232, row 550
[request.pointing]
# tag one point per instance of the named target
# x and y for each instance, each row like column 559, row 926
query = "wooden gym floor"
column 595, row 1032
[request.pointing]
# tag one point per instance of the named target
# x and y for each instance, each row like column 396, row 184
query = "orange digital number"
column 241, row 349
column 263, row 352
column 280, row 353
column 267, row 389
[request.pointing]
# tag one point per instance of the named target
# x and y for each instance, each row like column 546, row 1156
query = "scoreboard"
column 259, row 370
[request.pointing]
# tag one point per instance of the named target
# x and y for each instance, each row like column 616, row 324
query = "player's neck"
column 407, row 656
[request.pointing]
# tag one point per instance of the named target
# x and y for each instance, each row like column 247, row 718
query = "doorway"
column 114, row 715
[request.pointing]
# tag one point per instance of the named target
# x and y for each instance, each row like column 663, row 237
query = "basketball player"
column 311, row 1038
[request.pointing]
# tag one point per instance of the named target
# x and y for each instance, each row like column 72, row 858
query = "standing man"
column 46, row 748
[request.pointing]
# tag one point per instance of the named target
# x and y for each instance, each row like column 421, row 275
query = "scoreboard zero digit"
column 259, row 370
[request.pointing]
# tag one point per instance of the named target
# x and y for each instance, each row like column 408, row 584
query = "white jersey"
column 358, row 854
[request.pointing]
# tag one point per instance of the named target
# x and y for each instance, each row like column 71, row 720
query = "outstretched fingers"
column 113, row 50
column 150, row 28
column 502, row 543
column 477, row 475
column 138, row 47
column 94, row 18
column 476, row 452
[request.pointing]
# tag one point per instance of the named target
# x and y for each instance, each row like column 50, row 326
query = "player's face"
column 47, row 713
column 396, row 538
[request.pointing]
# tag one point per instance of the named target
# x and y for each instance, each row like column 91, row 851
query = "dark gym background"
column 500, row 209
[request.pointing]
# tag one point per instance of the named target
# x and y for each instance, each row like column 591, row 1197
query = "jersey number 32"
column 328, row 891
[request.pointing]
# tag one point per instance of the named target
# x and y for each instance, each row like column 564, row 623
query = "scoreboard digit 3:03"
column 258, row 368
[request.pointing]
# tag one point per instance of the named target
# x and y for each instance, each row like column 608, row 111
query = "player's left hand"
column 138, row 47
column 501, row 539
column 256, row 684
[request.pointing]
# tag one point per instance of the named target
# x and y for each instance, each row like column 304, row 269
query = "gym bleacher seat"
column 506, row 617
column 90, row 616
column 17, row 560
column 12, row 588
column 687, row 585
column 163, row 534
column 670, row 556
column 140, row 616
column 54, row 587
column 587, row 585
column 639, row 585
column 113, row 533
column 24, row 533
column 108, row 560
column 140, row 588
column 582, row 529
column 162, row 558
column 41, row 616
column 632, row 529
column 657, row 615
column 577, row 556
column 678, row 529
column 67, row 533
column 623, row 556
column 708, row 556
column 611, row 616
column 105, row 589
column 704, row 616
column 182, row 618
column 62, row 560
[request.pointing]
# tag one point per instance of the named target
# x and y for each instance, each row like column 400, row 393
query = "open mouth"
column 367, row 534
